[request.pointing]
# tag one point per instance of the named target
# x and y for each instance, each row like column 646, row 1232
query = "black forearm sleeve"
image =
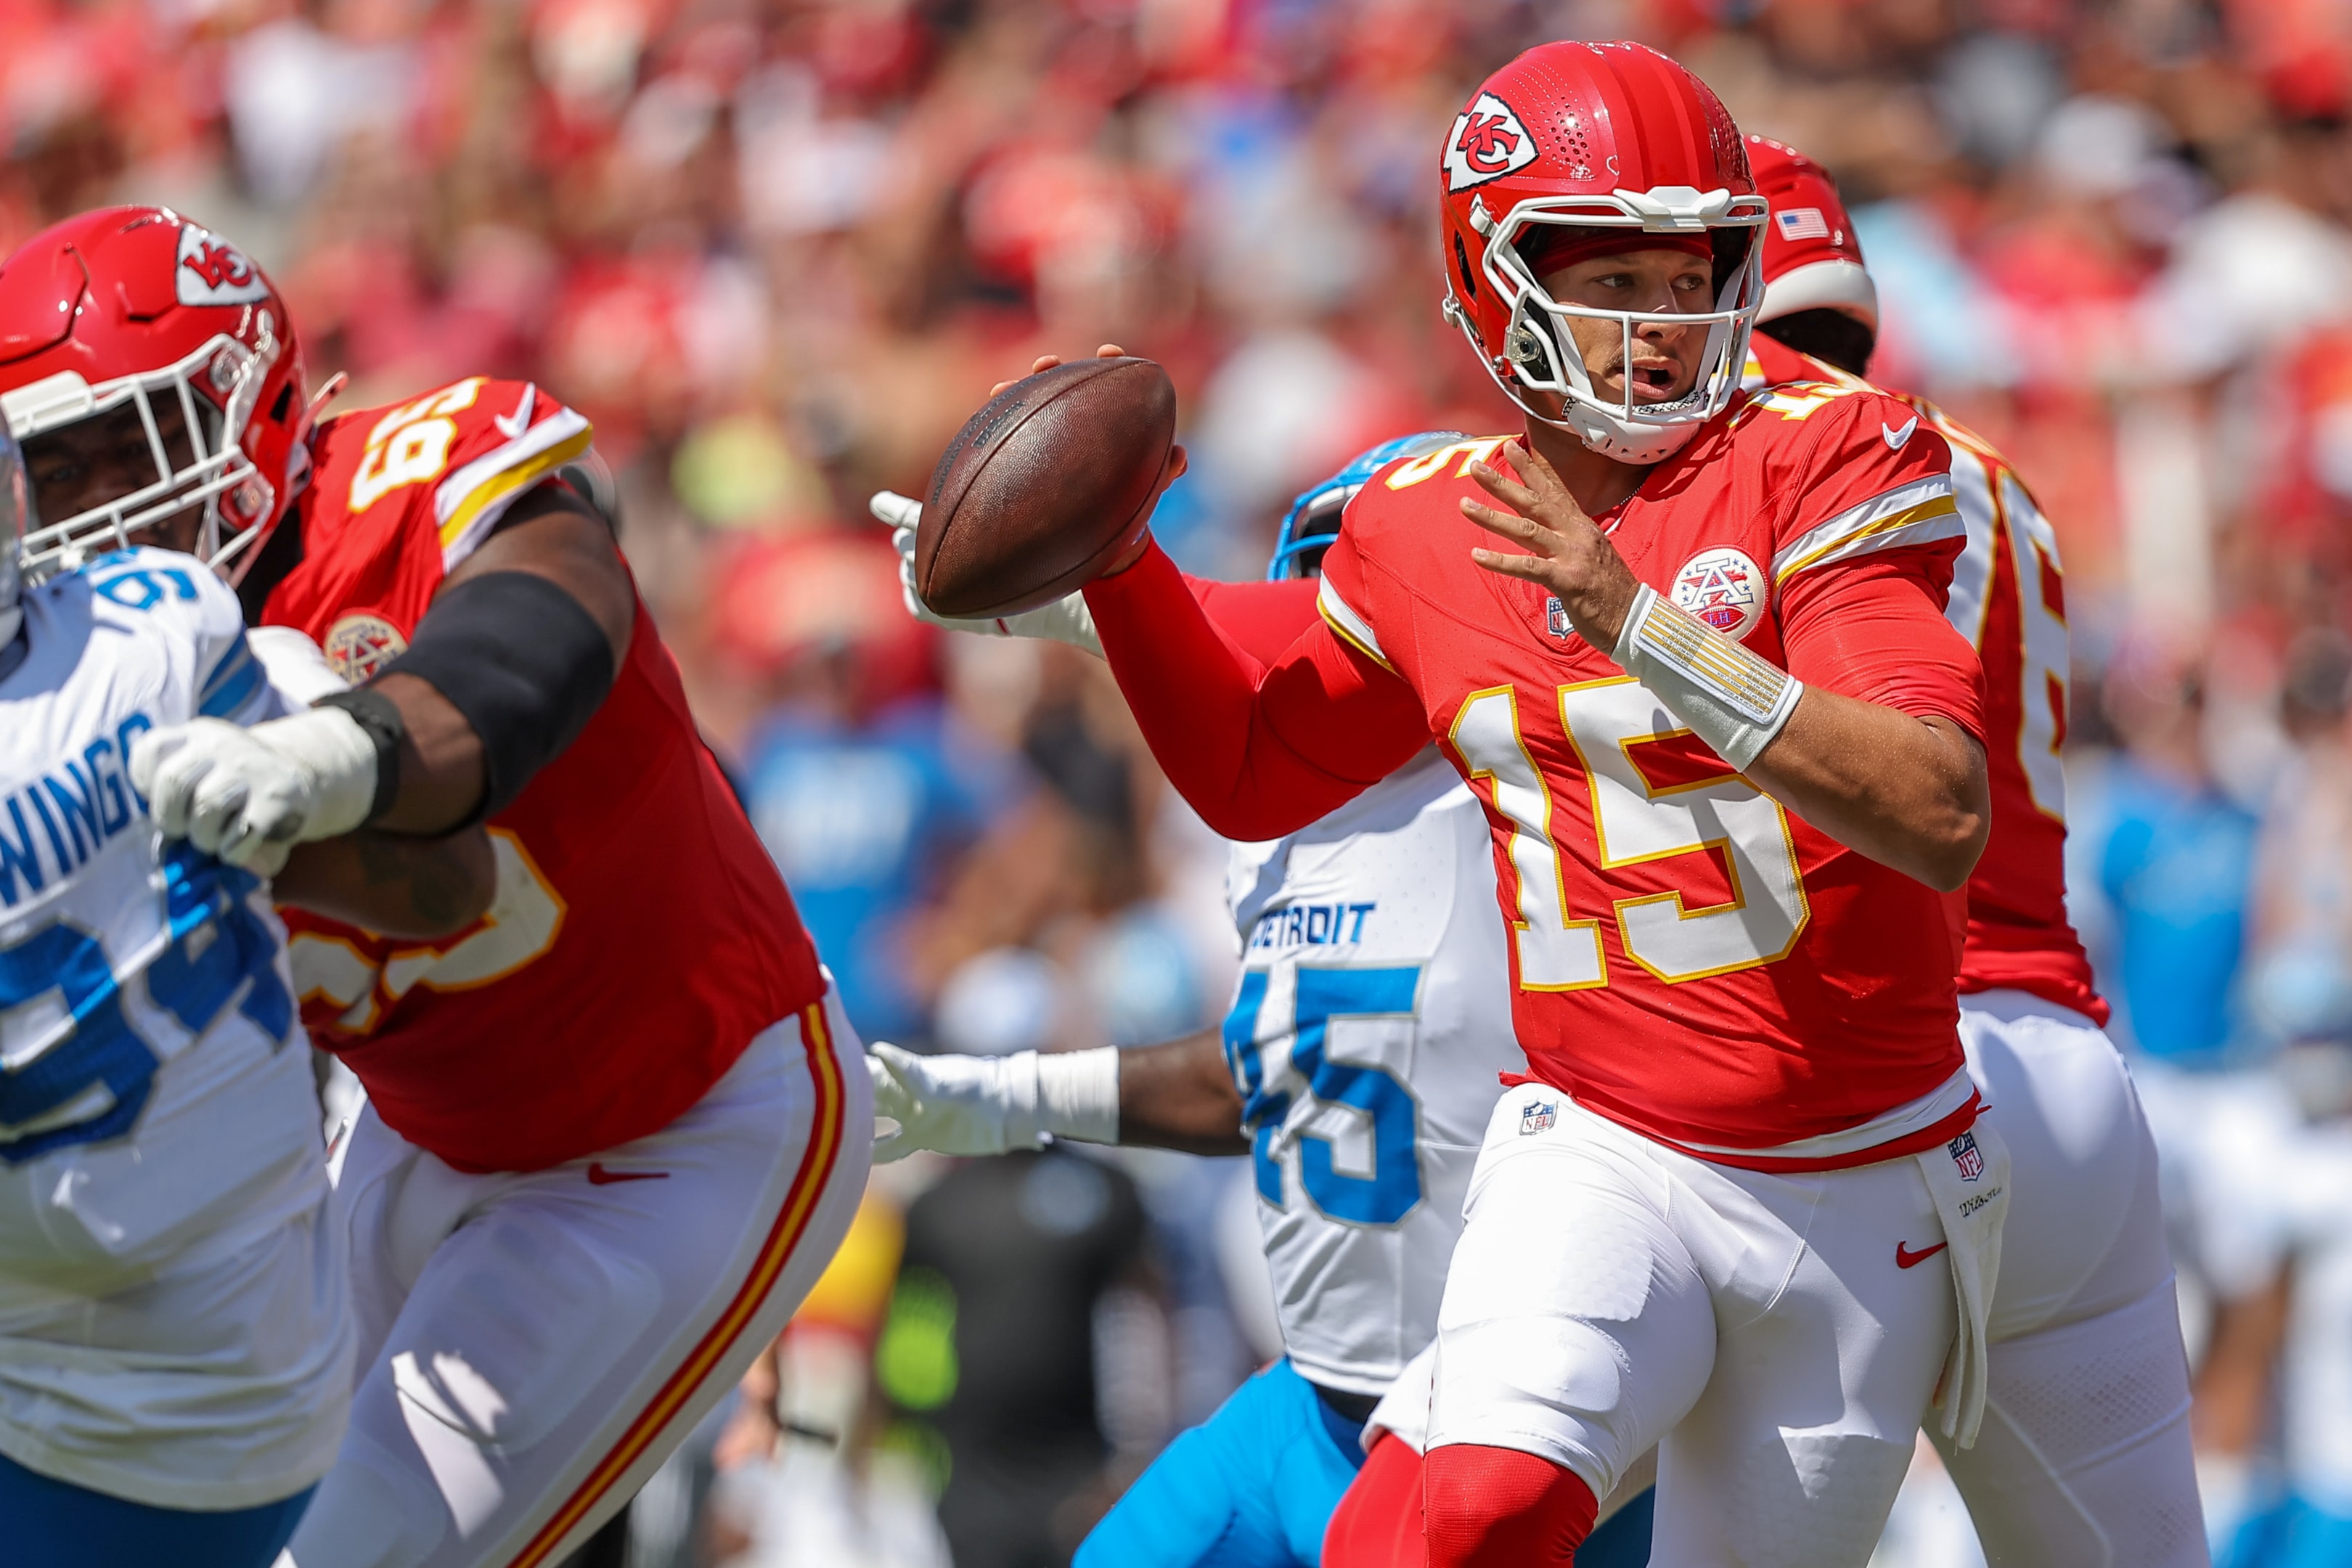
column 522, row 661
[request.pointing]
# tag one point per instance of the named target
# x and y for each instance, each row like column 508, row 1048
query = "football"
column 1042, row 487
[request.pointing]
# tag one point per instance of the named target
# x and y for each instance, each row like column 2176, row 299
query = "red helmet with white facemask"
column 1811, row 259
column 1606, row 136
column 137, row 317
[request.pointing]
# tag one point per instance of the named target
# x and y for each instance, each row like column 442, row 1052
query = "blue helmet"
column 1312, row 520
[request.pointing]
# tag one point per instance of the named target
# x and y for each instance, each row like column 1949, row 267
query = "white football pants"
column 1763, row 1331
column 532, row 1346
column 2084, row 1461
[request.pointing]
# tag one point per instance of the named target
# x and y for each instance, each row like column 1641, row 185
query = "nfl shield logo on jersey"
column 1556, row 619
column 1538, row 1118
column 1721, row 588
column 1968, row 1156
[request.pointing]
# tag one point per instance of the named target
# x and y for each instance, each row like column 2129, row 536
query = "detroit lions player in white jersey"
column 1360, row 1061
column 174, row 1354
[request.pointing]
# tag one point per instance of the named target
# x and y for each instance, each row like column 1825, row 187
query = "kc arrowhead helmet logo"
column 212, row 271
column 1488, row 142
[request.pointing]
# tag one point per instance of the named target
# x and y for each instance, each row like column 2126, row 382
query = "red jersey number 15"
column 1637, row 817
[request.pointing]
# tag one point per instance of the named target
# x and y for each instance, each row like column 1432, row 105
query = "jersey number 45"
column 1393, row 1187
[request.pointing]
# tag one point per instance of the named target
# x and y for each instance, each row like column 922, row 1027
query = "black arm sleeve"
column 522, row 661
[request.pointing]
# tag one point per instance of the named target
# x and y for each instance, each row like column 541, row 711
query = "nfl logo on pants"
column 1966, row 1156
column 1534, row 1119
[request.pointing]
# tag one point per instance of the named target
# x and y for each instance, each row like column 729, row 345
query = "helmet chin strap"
column 1613, row 439
column 1602, row 435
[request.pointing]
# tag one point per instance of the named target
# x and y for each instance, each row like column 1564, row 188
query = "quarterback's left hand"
column 1567, row 551
column 250, row 795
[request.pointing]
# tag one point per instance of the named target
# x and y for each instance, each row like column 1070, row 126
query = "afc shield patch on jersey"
column 1487, row 143
column 1966, row 1156
column 212, row 271
column 1538, row 1118
column 1724, row 588
column 360, row 644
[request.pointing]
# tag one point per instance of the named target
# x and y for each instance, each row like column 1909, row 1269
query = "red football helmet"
column 137, row 316
column 1811, row 259
column 1608, row 136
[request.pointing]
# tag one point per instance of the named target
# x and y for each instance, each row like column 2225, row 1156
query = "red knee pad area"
column 1378, row 1522
column 1498, row 1508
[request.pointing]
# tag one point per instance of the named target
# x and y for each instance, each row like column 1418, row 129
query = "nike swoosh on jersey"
column 599, row 1176
column 1906, row 1259
column 511, row 425
column 1897, row 439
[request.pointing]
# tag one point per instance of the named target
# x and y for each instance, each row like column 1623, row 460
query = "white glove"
column 1065, row 620
column 250, row 795
column 986, row 1104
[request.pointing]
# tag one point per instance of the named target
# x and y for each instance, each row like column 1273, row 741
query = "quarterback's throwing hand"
column 249, row 795
column 1567, row 551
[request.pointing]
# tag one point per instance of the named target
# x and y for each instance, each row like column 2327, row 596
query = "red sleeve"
column 1259, row 749
column 1874, row 628
column 1260, row 618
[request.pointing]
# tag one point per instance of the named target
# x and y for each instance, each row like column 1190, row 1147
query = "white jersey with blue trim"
column 158, row 1118
column 1369, row 1025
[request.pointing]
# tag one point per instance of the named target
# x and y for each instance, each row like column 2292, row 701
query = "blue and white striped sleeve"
column 236, row 687
column 230, row 682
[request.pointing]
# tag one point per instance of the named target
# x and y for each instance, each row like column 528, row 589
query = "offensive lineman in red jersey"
column 616, row 1125
column 1745, row 1204
column 2107, row 1474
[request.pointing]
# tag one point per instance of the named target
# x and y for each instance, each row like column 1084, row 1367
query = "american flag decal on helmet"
column 1802, row 223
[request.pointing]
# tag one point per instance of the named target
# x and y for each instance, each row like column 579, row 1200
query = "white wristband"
column 1077, row 1094
column 1732, row 699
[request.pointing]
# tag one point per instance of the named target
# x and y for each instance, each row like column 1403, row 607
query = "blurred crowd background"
column 777, row 249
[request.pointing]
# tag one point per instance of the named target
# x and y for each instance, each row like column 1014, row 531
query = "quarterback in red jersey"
column 1730, row 750
column 615, row 1125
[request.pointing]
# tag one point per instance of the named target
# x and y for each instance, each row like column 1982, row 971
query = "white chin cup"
column 1609, row 436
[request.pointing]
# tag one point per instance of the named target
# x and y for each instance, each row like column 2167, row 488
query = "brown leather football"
column 1044, row 487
